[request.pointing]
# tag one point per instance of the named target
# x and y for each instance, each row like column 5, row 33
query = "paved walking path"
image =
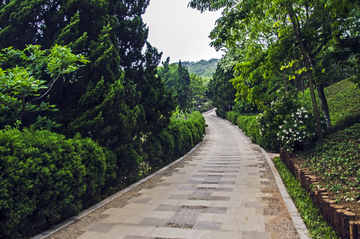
column 225, row 189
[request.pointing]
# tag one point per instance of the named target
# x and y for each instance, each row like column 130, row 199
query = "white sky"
column 180, row 32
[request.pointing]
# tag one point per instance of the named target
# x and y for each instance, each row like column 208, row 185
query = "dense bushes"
column 45, row 178
column 284, row 123
column 247, row 123
column 175, row 140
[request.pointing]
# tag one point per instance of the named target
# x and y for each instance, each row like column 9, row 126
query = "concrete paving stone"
column 185, row 216
column 219, row 189
column 254, row 205
column 142, row 200
column 211, row 180
column 255, row 235
column 201, row 194
column 164, row 184
column 128, row 229
column 194, row 181
column 167, row 207
column 215, row 234
column 187, row 188
column 100, row 227
column 157, row 214
column 219, row 198
column 169, row 232
column 152, row 221
column 209, row 225
column 178, row 196
column 97, row 235
column 226, row 182
column 137, row 237
column 215, row 210
column 196, row 203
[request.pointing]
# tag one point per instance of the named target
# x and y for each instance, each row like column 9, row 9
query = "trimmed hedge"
column 248, row 124
column 174, row 141
column 46, row 178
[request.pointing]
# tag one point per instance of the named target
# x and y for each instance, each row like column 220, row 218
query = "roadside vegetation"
column 314, row 221
column 83, row 111
column 335, row 161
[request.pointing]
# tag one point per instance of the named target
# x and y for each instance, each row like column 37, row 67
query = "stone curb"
column 294, row 214
column 84, row 213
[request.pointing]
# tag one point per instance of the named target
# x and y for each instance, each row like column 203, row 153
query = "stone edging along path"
column 297, row 221
column 294, row 214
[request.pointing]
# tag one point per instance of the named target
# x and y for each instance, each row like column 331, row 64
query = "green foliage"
column 177, row 77
column 288, row 122
column 46, row 178
column 247, row 123
column 22, row 78
column 198, row 88
column 221, row 91
column 311, row 215
column 343, row 99
column 182, row 134
column 336, row 162
column 284, row 123
column 202, row 68
column 242, row 107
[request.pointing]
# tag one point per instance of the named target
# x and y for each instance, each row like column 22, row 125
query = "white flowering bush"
column 285, row 123
column 297, row 128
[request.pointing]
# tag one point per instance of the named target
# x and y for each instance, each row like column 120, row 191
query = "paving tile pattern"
column 224, row 189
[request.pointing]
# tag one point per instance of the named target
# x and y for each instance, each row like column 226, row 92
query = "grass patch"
column 343, row 101
column 315, row 223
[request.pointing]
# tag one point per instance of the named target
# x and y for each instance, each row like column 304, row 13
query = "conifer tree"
column 117, row 99
column 183, row 86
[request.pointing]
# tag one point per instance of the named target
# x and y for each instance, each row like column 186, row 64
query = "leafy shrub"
column 45, row 178
column 288, row 122
column 183, row 133
column 242, row 107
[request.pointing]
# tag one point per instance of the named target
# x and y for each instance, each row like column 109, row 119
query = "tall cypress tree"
column 183, row 86
column 117, row 99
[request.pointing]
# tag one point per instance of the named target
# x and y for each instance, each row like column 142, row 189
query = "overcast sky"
column 180, row 32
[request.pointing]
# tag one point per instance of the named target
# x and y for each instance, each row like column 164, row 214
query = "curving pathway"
column 225, row 188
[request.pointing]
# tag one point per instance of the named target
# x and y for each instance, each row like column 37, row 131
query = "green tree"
column 22, row 78
column 198, row 88
column 183, row 86
column 117, row 99
column 272, row 25
column 177, row 77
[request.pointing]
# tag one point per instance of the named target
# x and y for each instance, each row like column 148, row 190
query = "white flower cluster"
column 294, row 129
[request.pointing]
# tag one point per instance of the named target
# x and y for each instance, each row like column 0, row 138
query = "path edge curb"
column 294, row 213
column 299, row 224
column 84, row 213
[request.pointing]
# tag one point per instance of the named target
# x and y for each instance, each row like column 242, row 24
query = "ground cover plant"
column 336, row 163
column 343, row 99
column 316, row 223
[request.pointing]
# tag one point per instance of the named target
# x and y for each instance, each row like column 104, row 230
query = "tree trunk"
column 307, row 64
column 324, row 105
